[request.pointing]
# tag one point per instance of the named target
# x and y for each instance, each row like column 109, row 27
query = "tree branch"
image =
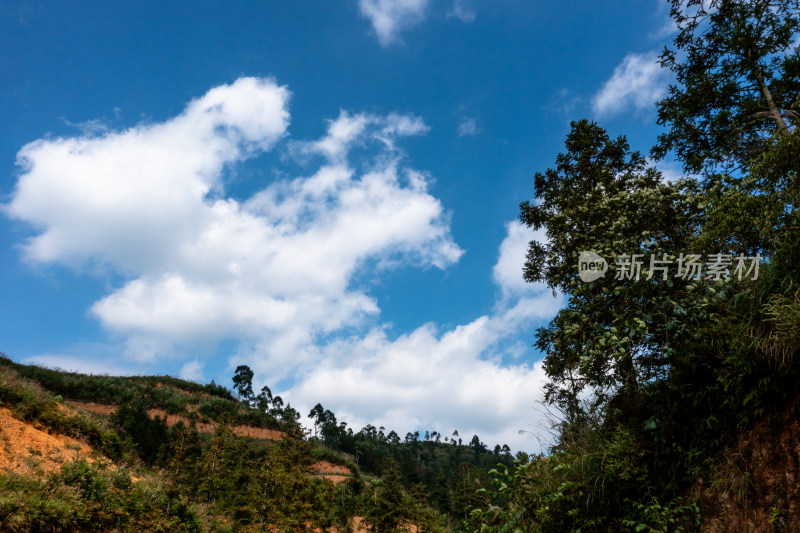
column 773, row 109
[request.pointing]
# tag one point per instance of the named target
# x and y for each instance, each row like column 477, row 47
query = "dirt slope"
column 27, row 450
column 332, row 472
column 759, row 490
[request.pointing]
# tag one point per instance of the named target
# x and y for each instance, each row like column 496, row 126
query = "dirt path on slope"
column 171, row 420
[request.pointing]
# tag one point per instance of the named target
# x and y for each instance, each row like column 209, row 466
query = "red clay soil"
column 326, row 467
column 27, row 450
column 171, row 420
column 359, row 526
column 332, row 472
column 759, row 491
column 92, row 407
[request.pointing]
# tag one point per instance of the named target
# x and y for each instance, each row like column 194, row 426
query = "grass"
column 29, row 402
column 82, row 497
column 213, row 402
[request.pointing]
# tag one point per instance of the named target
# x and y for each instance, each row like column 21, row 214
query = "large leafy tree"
column 614, row 334
column 737, row 81
column 243, row 382
column 732, row 116
column 676, row 366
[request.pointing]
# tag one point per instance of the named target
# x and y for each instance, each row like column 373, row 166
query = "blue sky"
column 325, row 191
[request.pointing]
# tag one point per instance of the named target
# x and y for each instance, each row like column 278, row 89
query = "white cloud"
column 349, row 130
column 342, row 132
column 468, row 126
column 466, row 378
column 280, row 272
column 149, row 203
column 192, row 371
column 397, row 125
column 390, row 17
column 638, row 82
column 507, row 271
column 462, row 11
column 131, row 198
column 427, row 380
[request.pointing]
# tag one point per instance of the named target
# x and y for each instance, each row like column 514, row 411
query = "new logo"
column 591, row 266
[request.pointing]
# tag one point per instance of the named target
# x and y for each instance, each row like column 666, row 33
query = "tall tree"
column 737, row 81
column 616, row 332
column 317, row 414
column 390, row 505
column 677, row 365
column 264, row 399
column 736, row 101
column 243, row 382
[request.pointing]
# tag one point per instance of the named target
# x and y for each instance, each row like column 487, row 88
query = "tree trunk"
column 774, row 112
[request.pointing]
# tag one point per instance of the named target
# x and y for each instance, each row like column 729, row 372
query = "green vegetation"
column 82, row 497
column 158, row 392
column 656, row 376
column 442, row 470
column 29, row 402
column 652, row 377
column 187, row 480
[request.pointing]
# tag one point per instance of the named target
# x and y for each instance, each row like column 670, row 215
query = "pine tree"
column 389, row 507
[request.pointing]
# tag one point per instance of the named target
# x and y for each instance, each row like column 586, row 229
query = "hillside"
column 101, row 453
column 757, row 486
column 92, row 464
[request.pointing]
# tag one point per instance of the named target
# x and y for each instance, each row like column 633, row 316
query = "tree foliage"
column 243, row 382
column 656, row 376
column 738, row 81
column 614, row 334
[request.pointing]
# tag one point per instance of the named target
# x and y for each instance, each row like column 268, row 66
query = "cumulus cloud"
column 390, row 17
column 427, row 379
column 149, row 203
column 192, row 371
column 279, row 272
column 507, row 272
column 468, row 378
column 131, row 198
column 462, row 11
column 468, row 127
column 638, row 83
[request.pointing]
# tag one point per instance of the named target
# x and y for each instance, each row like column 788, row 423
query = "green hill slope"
column 100, row 453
